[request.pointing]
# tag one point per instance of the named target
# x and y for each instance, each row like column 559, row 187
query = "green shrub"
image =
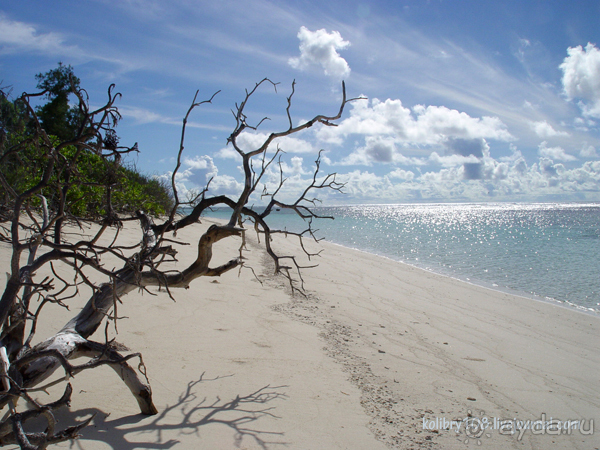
column 88, row 180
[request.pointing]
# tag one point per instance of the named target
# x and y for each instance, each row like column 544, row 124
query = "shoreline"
column 537, row 285
column 485, row 284
column 488, row 327
column 375, row 353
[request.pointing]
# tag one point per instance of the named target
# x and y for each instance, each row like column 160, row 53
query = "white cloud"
column 293, row 168
column 380, row 149
column 477, row 147
column 588, row 151
column 227, row 153
column 198, row 171
column 452, row 160
column 361, row 184
column 584, row 124
column 142, row 115
column 320, row 48
column 295, row 145
column 452, row 123
column 498, row 180
column 472, row 177
column 326, row 160
column 522, row 50
column 421, row 126
column 554, row 153
column 389, row 129
column 544, row 130
column 295, row 181
column 226, row 185
column 581, row 77
column 19, row 36
column 401, row 174
column 201, row 162
column 296, row 167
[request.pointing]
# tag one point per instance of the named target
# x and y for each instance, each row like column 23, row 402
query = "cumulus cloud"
column 380, row 149
column 451, row 123
column 201, row 162
column 294, row 167
column 544, row 130
column 468, row 172
column 401, row 174
column 486, row 178
column 422, row 125
column 197, row 172
column 473, row 149
column 473, row 171
column 452, row 160
column 295, row 180
column 389, row 128
column 554, row 153
column 466, row 147
column 581, row 78
column 320, row 48
column 492, row 179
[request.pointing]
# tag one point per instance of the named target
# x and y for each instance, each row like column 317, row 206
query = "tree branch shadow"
column 185, row 417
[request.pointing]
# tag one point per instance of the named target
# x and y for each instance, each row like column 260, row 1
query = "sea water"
column 546, row 250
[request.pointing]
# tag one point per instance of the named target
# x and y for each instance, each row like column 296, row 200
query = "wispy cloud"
column 142, row 116
column 18, row 36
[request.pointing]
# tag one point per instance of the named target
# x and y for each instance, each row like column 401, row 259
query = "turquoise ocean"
column 548, row 251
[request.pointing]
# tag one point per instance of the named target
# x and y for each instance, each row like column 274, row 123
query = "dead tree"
column 35, row 229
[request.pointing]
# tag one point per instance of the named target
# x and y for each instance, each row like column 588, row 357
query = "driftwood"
column 33, row 227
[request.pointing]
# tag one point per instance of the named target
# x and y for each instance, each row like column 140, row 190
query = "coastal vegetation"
column 65, row 195
column 94, row 185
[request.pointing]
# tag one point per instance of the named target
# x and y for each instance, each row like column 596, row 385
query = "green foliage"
column 11, row 117
column 145, row 192
column 87, row 177
column 57, row 117
column 88, row 181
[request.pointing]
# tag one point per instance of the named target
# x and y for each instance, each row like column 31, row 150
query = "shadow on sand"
column 183, row 418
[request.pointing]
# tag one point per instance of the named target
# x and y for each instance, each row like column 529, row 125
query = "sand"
column 378, row 355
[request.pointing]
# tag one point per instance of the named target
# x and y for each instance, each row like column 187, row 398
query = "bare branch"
column 38, row 222
column 181, row 147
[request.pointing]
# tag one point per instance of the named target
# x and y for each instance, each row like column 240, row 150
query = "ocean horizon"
column 546, row 251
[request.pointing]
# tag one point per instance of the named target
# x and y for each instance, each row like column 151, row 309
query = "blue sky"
column 467, row 100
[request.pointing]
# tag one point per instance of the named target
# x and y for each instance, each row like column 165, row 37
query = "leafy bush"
column 92, row 183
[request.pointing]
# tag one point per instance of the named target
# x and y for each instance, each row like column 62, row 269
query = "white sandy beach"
column 377, row 356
